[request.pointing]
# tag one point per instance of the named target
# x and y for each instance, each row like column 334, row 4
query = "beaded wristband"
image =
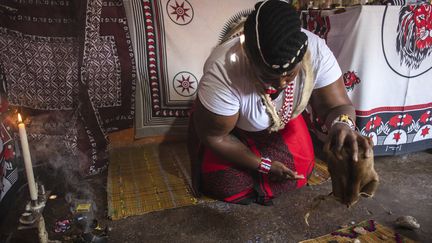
column 344, row 119
column 265, row 165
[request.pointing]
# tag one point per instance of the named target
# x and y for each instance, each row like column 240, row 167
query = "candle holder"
column 32, row 217
column 34, row 208
column 28, row 219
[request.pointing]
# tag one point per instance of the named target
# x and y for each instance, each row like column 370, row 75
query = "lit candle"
column 27, row 159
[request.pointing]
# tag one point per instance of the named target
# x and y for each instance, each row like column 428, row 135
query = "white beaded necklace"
column 287, row 108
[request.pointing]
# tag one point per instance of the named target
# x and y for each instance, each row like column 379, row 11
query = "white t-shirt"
column 227, row 85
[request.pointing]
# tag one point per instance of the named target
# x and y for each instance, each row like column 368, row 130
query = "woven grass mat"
column 374, row 232
column 319, row 174
column 148, row 178
column 154, row 177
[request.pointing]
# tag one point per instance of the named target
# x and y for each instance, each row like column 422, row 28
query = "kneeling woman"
column 247, row 139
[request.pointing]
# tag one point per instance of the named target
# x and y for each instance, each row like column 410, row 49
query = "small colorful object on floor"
column 83, row 207
column 353, row 231
column 360, row 230
column 365, row 231
column 62, row 226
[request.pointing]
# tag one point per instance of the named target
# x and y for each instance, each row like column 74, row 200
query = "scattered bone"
column 408, row 222
column 316, row 201
column 383, row 237
column 306, row 217
column 360, row 230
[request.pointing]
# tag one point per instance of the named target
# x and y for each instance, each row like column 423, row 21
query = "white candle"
column 27, row 159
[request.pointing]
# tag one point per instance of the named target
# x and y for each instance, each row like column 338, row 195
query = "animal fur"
column 352, row 179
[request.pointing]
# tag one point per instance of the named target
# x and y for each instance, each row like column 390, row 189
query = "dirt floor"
column 405, row 189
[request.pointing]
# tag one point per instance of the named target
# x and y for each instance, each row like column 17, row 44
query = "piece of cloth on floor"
column 371, row 231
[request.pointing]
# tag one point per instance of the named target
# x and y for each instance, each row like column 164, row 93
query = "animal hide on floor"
column 351, row 179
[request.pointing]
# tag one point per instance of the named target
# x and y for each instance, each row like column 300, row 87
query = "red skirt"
column 225, row 181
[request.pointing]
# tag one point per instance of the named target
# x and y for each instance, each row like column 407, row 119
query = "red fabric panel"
column 218, row 174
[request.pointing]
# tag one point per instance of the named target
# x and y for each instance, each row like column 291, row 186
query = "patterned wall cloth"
column 389, row 87
column 68, row 67
column 385, row 53
column 172, row 39
column 8, row 163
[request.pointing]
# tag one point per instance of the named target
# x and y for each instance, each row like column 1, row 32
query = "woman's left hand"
column 341, row 135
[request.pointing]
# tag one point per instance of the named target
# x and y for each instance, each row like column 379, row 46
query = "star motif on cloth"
column 180, row 10
column 425, row 131
column 185, row 84
column 397, row 136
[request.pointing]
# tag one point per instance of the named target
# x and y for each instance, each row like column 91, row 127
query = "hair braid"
column 273, row 33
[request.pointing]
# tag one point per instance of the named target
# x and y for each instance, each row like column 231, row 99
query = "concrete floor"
column 405, row 189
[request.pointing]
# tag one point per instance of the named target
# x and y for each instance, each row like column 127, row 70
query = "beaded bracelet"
column 344, row 119
column 265, row 165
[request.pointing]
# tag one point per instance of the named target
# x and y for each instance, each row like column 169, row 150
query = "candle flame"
column 19, row 117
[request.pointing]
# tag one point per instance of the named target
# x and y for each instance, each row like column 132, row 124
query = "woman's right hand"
column 279, row 172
